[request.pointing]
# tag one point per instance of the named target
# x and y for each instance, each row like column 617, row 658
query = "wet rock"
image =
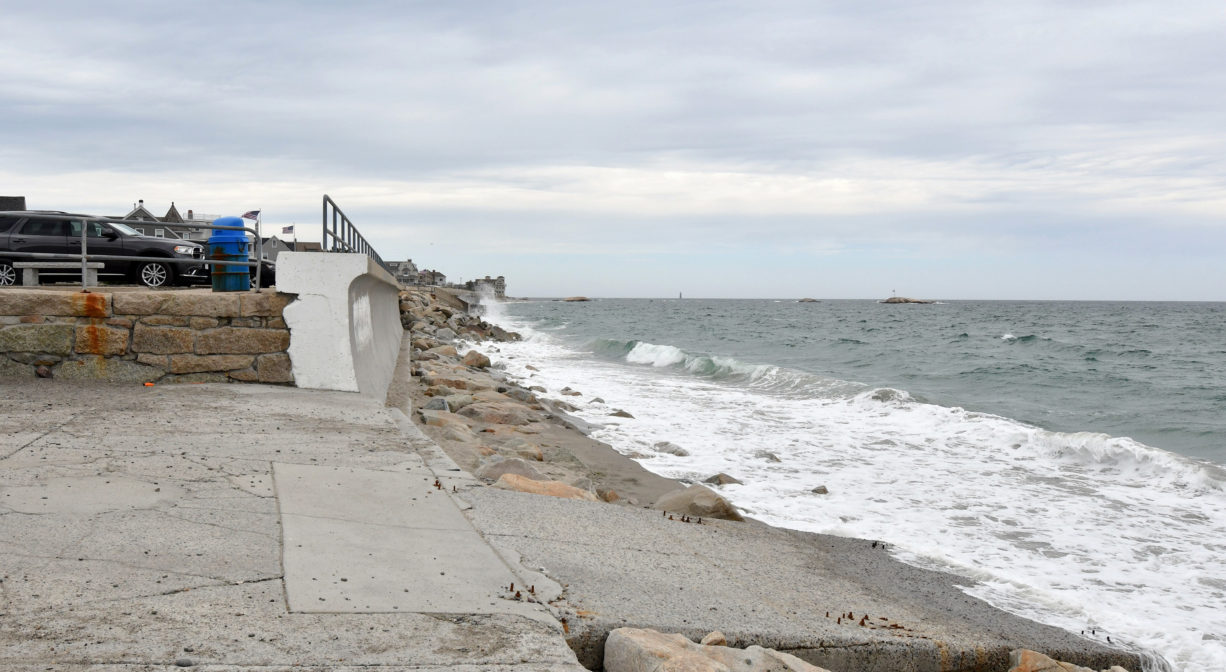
column 619, row 413
column 722, row 479
column 475, row 359
column 820, row 490
column 698, row 500
column 767, row 455
column 445, row 334
column 444, row 350
column 670, row 448
column 571, row 393
column 520, row 394
column 42, row 372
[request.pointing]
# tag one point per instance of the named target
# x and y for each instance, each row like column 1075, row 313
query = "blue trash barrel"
column 229, row 246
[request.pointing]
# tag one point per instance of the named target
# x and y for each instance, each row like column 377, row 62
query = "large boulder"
column 723, row 479
column 550, row 488
column 700, row 501
column 477, row 360
column 441, row 418
column 457, row 401
column 1025, row 660
column 635, row 650
column 444, row 350
column 497, row 466
column 508, row 413
column 437, row 404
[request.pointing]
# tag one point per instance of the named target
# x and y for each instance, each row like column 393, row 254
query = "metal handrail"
column 85, row 257
column 344, row 235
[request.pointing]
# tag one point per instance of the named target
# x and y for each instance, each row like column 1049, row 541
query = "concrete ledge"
column 345, row 324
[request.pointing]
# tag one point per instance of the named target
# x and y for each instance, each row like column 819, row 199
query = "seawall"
column 135, row 335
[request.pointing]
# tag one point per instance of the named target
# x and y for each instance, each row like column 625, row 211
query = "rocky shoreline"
column 514, row 435
column 509, row 432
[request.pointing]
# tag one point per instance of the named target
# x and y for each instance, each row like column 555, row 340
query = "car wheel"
column 8, row 274
column 155, row 274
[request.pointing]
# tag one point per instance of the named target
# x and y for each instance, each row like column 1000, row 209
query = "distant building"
column 172, row 225
column 431, row 278
column 405, row 272
column 273, row 246
column 12, row 203
column 496, row 286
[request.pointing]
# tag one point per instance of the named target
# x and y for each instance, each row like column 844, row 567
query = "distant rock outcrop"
column 903, row 299
column 808, row 300
column 576, row 298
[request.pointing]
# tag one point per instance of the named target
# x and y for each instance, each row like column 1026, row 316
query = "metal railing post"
column 84, row 257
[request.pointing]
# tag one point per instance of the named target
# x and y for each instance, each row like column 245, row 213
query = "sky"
column 946, row 149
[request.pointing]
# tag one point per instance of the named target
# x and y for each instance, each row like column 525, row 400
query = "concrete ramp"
column 365, row 541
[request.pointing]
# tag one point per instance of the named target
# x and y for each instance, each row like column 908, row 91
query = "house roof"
column 140, row 213
column 172, row 215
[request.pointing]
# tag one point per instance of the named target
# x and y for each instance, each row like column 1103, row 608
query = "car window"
column 7, row 223
column 125, row 229
column 92, row 229
column 45, row 227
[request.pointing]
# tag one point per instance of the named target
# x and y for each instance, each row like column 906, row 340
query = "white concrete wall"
column 344, row 326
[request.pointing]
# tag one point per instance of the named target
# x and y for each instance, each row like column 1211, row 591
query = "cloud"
column 830, row 128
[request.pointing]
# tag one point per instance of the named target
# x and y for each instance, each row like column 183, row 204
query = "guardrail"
column 343, row 235
column 85, row 257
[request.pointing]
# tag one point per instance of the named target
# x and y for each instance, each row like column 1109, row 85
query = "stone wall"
column 145, row 336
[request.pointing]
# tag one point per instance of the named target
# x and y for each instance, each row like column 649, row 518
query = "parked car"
column 268, row 274
column 55, row 232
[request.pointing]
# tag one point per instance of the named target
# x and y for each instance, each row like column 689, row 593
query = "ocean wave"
column 1132, row 461
column 765, row 378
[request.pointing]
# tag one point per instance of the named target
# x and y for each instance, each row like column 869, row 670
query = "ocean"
column 1069, row 457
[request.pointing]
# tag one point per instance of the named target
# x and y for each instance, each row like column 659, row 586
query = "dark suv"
column 60, row 233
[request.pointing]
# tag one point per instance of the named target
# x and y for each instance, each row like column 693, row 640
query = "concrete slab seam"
column 276, row 495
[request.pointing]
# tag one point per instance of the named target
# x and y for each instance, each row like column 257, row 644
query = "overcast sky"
column 946, row 149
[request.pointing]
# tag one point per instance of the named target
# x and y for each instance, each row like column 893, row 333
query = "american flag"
column 254, row 214
column 287, row 229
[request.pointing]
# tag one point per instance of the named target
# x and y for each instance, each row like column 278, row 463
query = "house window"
column 159, row 233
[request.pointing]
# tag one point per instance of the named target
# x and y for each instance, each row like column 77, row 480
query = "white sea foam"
column 1077, row 530
column 655, row 355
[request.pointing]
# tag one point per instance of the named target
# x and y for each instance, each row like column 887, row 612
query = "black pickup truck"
column 45, row 231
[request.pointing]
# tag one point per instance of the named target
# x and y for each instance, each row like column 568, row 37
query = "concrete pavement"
column 240, row 526
column 255, row 527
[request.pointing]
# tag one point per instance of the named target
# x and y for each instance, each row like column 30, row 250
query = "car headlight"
column 185, row 249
